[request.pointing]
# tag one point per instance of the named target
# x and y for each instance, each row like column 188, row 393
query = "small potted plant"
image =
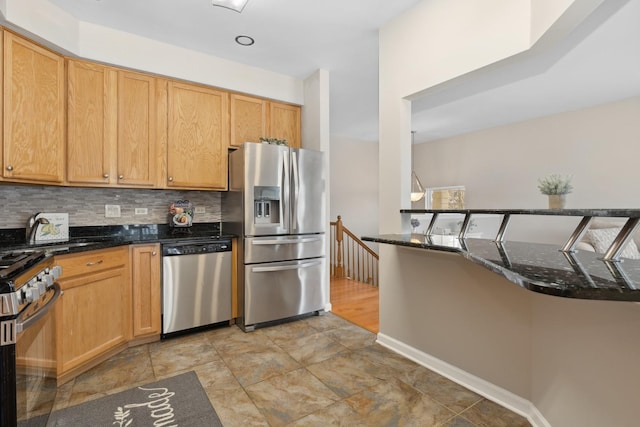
column 556, row 187
column 274, row 141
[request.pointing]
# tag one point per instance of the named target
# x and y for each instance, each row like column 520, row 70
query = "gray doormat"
column 175, row 401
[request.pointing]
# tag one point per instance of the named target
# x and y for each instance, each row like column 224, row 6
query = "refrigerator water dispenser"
column 266, row 209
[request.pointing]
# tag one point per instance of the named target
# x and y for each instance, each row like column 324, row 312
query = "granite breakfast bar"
column 553, row 334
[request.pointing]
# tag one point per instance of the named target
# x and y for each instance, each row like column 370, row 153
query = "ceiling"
column 598, row 63
column 292, row 37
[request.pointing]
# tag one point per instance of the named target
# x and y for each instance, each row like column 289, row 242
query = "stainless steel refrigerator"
column 276, row 204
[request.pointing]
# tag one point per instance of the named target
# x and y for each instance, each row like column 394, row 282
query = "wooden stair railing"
column 350, row 257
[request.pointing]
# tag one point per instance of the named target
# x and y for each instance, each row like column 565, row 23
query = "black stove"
column 28, row 291
column 14, row 264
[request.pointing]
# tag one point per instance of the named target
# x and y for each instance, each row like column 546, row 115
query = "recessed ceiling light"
column 245, row 40
column 236, row 5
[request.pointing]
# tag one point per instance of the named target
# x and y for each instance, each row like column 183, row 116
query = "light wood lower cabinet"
column 93, row 316
column 145, row 286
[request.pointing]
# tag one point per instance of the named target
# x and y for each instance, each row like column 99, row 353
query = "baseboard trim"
column 327, row 307
column 484, row 388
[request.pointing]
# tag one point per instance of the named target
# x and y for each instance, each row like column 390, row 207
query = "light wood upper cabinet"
column 197, row 137
column 248, row 119
column 33, row 112
column 284, row 123
column 111, row 136
column 252, row 118
column 91, row 123
column 136, row 164
column 145, row 286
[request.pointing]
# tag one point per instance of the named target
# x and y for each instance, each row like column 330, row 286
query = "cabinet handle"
column 153, row 253
column 170, row 179
column 120, row 176
column 9, row 168
column 90, row 264
column 105, row 176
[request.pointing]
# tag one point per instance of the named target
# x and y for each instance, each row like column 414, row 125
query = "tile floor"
column 317, row 371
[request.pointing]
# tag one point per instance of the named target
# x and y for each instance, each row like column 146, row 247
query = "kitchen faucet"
column 32, row 227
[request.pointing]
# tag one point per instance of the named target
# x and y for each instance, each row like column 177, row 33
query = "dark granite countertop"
column 617, row 213
column 538, row 267
column 101, row 237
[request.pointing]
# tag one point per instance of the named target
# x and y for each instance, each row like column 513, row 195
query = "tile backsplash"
column 86, row 206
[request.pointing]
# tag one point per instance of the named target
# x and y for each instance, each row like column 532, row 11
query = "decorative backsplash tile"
column 86, row 206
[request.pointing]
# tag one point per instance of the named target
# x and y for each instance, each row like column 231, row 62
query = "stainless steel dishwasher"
column 196, row 284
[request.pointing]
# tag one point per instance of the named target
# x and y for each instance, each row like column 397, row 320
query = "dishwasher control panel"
column 195, row 248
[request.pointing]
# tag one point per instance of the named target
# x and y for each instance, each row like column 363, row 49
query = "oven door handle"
column 23, row 325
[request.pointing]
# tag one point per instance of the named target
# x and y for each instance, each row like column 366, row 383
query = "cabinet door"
column 33, row 119
column 248, row 119
column 145, row 283
column 284, row 123
column 91, row 123
column 198, row 137
column 94, row 313
column 136, row 129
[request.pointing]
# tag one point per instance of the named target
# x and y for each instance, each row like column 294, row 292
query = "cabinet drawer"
column 92, row 261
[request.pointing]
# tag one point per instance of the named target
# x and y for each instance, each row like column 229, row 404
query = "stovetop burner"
column 13, row 263
column 8, row 259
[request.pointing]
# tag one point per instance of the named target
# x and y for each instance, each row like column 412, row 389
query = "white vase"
column 557, row 201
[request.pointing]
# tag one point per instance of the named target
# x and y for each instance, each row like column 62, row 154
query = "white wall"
column 433, row 43
column 500, row 166
column 315, row 136
column 354, row 185
column 574, row 360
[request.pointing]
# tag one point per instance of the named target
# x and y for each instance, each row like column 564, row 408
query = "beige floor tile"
column 346, row 374
column 130, row 368
column 216, row 378
column 339, row 414
column 286, row 398
column 287, row 332
column 394, row 403
column 352, row 336
column 441, row 389
column 312, row 348
column 235, row 409
column 255, row 366
column 489, row 414
column 458, row 422
column 326, row 322
column 181, row 355
column 233, row 341
column 390, row 362
column 259, row 379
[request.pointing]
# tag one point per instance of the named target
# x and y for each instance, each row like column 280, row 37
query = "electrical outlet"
column 141, row 211
column 200, row 209
column 112, row 211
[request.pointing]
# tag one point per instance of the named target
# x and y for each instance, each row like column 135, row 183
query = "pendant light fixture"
column 417, row 190
column 236, row 5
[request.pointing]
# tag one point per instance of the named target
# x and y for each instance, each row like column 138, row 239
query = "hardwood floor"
column 356, row 302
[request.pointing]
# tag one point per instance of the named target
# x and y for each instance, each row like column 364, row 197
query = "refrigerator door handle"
column 284, row 197
column 296, row 190
column 285, row 267
column 286, row 242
